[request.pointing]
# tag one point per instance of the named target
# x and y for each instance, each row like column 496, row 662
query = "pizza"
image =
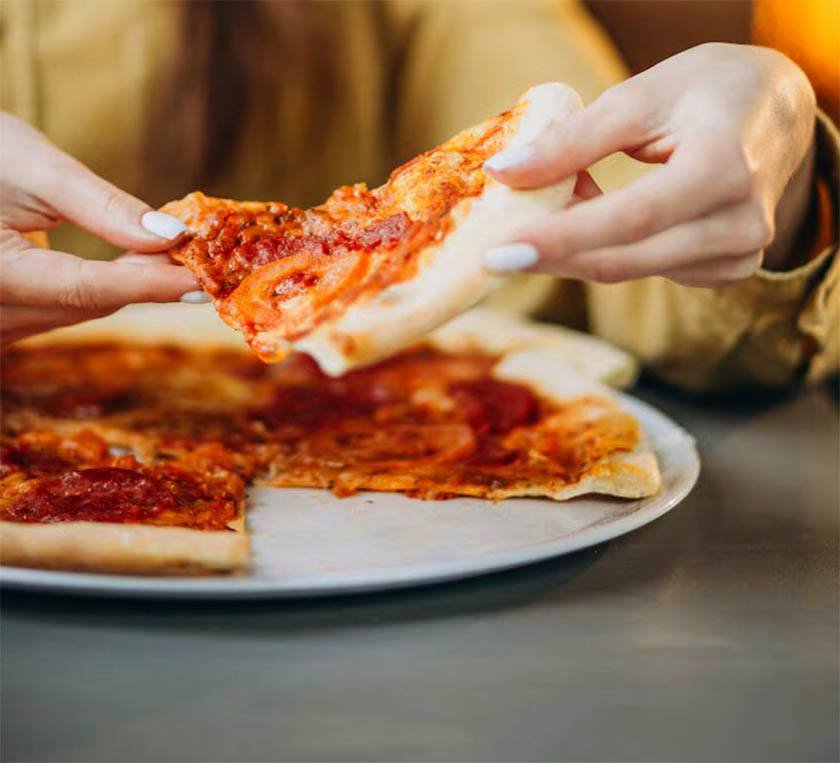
column 127, row 446
column 74, row 501
column 368, row 272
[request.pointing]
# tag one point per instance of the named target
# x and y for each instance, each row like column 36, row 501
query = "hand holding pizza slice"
column 368, row 272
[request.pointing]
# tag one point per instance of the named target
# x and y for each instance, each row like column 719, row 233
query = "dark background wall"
column 646, row 31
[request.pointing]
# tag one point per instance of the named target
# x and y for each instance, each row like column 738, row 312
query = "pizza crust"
column 495, row 332
column 482, row 329
column 628, row 475
column 123, row 548
column 192, row 326
column 451, row 277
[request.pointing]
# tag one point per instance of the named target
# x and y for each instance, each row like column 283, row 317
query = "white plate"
column 309, row 543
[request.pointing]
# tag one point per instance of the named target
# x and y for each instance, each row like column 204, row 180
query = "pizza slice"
column 438, row 424
column 70, row 502
column 368, row 272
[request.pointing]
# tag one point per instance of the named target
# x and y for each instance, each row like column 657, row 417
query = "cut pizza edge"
column 450, row 277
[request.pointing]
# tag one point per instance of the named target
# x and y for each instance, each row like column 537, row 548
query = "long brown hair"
column 234, row 57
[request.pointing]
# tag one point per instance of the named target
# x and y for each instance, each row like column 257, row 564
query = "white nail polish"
column 195, row 297
column 162, row 225
column 510, row 158
column 511, row 257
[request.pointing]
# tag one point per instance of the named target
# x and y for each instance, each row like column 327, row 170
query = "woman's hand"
column 39, row 288
column 732, row 125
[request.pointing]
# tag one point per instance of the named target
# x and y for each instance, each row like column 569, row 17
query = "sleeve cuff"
column 791, row 314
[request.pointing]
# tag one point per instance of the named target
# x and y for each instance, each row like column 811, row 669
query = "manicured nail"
column 511, row 257
column 195, row 297
column 162, row 225
column 510, row 158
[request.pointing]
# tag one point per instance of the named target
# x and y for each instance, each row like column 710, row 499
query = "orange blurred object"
column 809, row 32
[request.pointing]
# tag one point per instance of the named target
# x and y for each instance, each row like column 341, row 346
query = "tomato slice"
column 289, row 294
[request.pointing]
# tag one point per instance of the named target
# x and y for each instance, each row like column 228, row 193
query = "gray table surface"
column 710, row 635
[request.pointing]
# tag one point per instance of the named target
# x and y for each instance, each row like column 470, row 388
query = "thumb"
column 608, row 125
column 79, row 195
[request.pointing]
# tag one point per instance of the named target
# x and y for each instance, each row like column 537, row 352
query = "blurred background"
column 647, row 31
column 290, row 99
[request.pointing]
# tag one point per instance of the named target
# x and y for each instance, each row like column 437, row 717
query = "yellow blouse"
column 87, row 72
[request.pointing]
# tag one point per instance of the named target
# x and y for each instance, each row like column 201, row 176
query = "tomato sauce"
column 493, row 406
column 358, row 242
column 19, row 458
column 115, row 494
column 204, row 421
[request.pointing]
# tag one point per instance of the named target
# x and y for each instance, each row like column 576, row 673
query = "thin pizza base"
column 629, row 475
column 545, row 358
column 556, row 362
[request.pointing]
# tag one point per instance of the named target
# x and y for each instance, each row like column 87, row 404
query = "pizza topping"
column 314, row 406
column 496, row 406
column 287, row 294
column 392, row 445
column 275, row 272
column 115, row 494
column 424, row 421
column 103, row 494
column 262, row 249
column 39, row 452
column 489, row 452
column 88, row 402
column 16, row 457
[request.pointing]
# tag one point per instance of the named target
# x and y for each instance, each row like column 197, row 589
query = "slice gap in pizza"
column 369, row 272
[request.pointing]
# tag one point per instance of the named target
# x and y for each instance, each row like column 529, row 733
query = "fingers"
column 733, row 232
column 197, row 297
column 718, row 272
column 615, row 121
column 20, row 322
column 47, row 279
column 686, row 188
column 70, row 190
column 87, row 200
column 586, row 188
column 134, row 258
column 728, row 239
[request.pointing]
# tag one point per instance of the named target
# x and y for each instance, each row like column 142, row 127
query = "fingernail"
column 511, row 257
column 511, row 158
column 162, row 225
column 195, row 297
